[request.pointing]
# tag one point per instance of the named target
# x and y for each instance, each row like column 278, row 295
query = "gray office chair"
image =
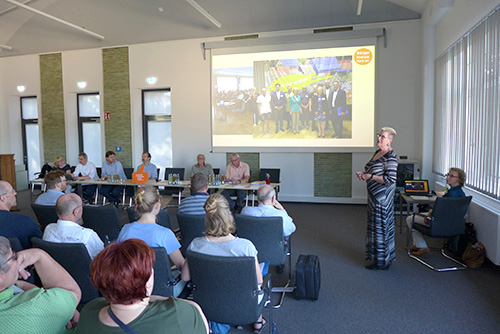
column 266, row 233
column 226, row 288
column 164, row 280
column 191, row 226
column 45, row 214
column 75, row 258
column 447, row 221
column 104, row 220
column 161, row 219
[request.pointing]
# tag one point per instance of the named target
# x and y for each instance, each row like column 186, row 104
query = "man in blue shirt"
column 55, row 182
column 455, row 179
column 193, row 205
column 110, row 168
column 13, row 225
column 148, row 166
column 270, row 207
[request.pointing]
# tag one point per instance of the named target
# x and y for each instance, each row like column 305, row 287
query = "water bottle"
column 268, row 179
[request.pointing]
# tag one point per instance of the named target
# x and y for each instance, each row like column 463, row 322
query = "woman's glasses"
column 450, row 175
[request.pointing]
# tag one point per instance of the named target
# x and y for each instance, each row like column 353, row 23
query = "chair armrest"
column 266, row 282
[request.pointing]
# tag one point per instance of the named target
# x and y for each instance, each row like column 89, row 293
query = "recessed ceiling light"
column 161, row 9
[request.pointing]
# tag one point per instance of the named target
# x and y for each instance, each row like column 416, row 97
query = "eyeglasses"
column 449, row 175
column 381, row 136
column 13, row 257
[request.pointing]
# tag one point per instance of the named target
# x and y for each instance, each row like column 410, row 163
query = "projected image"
column 293, row 99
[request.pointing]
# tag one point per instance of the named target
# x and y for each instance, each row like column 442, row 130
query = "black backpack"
column 45, row 169
column 457, row 245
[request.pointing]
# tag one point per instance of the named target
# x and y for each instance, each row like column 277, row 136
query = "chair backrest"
column 164, row 281
column 216, row 171
column 128, row 172
column 179, row 171
column 45, row 214
column 225, row 288
column 99, row 171
column 448, row 216
column 266, row 233
column 274, row 174
column 75, row 258
column 15, row 244
column 161, row 219
column 191, row 226
column 103, row 220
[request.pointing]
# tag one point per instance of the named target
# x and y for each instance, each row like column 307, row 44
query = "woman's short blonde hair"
column 145, row 199
column 218, row 219
column 56, row 160
column 391, row 131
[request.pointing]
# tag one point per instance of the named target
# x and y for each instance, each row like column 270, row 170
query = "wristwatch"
column 371, row 177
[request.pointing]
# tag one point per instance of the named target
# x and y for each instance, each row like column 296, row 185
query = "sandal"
column 262, row 324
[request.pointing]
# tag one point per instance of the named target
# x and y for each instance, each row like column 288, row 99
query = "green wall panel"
column 116, row 102
column 53, row 128
column 333, row 174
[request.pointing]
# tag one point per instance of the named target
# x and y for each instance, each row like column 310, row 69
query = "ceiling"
column 124, row 22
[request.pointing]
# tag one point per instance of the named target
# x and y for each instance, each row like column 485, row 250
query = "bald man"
column 68, row 229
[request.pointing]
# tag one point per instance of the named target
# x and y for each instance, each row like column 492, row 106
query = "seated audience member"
column 123, row 274
column 201, row 167
column 13, row 225
column 55, row 182
column 148, row 206
column 109, row 168
column 149, row 167
column 193, row 205
column 88, row 172
column 270, row 207
column 237, row 172
column 59, row 164
column 68, row 229
column 220, row 241
column 455, row 179
column 25, row 308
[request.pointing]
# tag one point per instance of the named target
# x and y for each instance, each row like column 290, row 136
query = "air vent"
column 235, row 38
column 319, row 31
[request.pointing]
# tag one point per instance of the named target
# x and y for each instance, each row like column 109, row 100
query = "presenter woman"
column 380, row 176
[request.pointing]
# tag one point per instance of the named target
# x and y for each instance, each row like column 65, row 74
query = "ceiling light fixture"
column 161, row 9
column 81, row 84
column 6, row 47
column 204, row 13
column 360, row 5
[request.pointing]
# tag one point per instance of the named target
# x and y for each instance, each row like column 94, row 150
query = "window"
column 31, row 139
column 157, row 127
column 467, row 105
column 89, row 126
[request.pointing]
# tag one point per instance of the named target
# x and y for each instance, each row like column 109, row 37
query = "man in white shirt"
column 264, row 104
column 68, row 228
column 87, row 170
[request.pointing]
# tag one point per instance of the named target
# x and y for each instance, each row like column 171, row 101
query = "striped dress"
column 380, row 247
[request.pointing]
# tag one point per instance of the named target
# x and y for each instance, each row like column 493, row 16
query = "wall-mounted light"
column 81, row 84
column 21, row 88
column 151, row 80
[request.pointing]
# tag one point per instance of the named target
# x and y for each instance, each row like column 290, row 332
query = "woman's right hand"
column 360, row 175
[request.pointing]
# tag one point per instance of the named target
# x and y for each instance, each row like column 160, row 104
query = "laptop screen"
column 416, row 186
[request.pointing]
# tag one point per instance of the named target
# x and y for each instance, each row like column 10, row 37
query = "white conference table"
column 153, row 183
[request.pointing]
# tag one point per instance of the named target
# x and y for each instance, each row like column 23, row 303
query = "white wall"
column 15, row 71
column 180, row 66
column 81, row 65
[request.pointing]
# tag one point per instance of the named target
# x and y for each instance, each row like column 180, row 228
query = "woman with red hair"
column 123, row 274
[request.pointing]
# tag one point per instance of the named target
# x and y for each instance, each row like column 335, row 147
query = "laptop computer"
column 417, row 188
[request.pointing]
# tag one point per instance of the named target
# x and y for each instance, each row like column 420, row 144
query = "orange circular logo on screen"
column 363, row 56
